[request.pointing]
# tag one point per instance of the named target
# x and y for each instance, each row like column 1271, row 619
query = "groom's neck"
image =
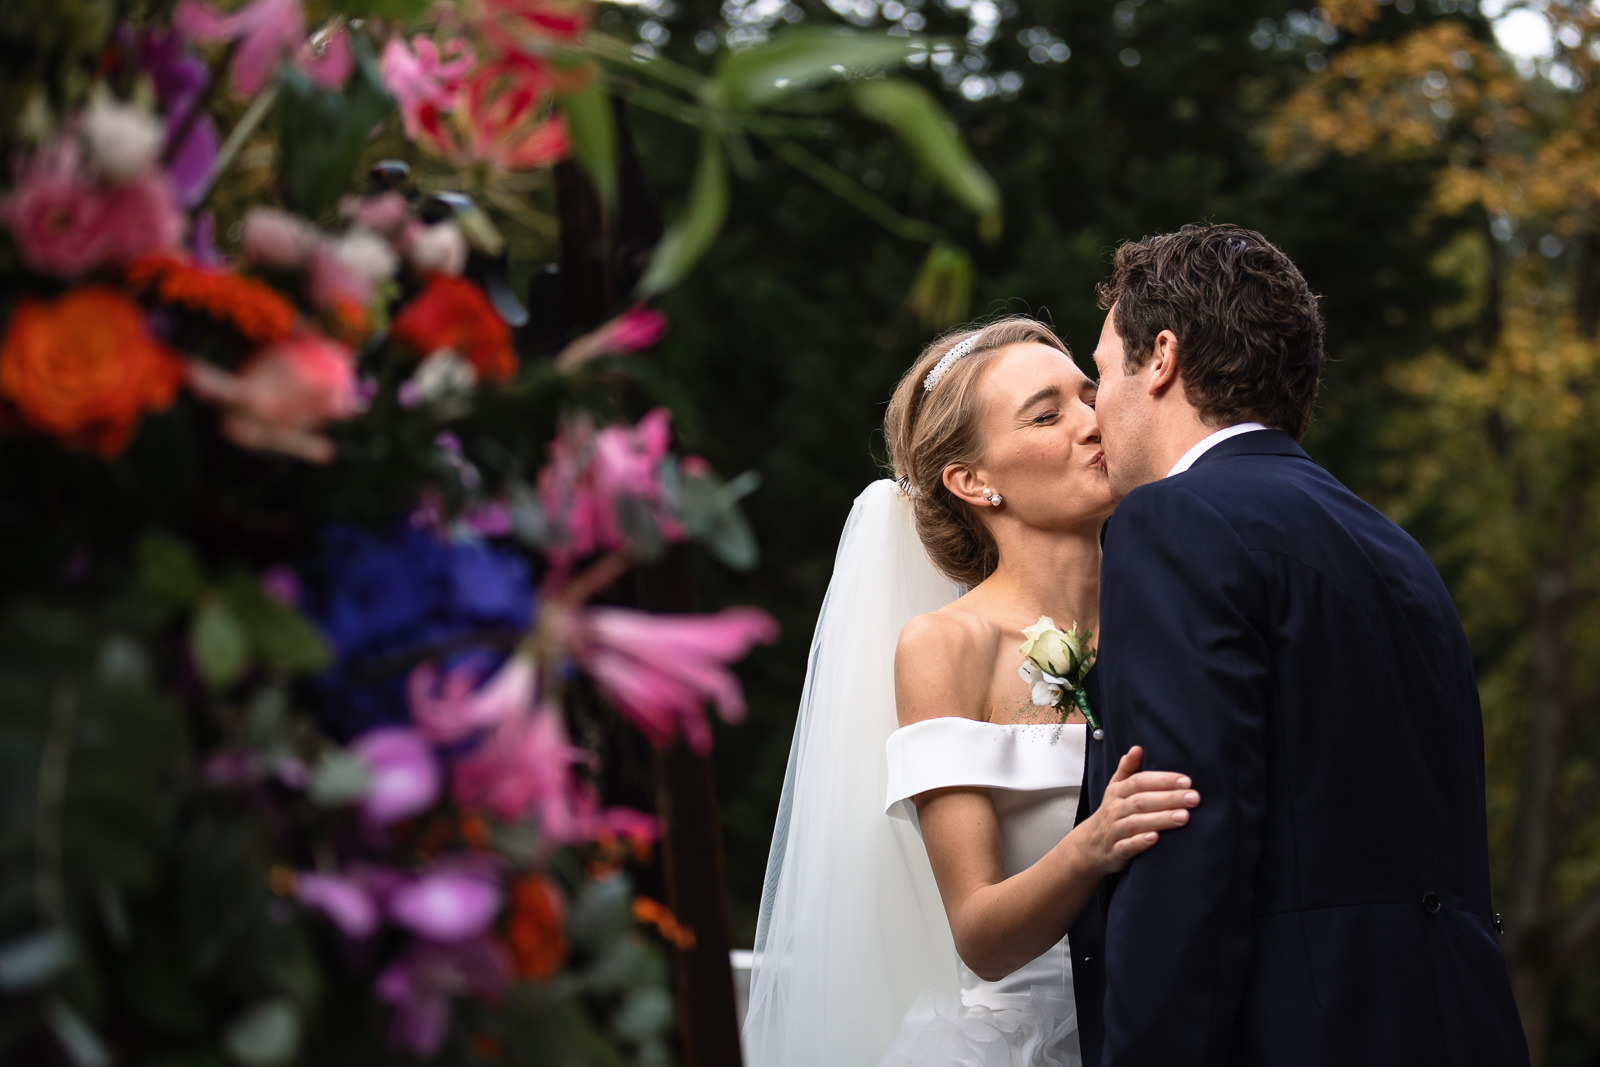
column 1175, row 432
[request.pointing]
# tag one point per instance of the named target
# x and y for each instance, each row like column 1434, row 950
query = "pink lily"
column 590, row 472
column 503, row 116
column 633, row 331
column 455, row 707
column 525, row 768
column 267, row 30
column 327, row 58
column 660, row 670
column 424, row 75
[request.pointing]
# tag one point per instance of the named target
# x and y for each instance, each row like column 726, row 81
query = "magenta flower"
column 633, row 331
column 140, row 218
column 267, row 30
column 405, row 775
column 422, row 76
column 447, row 905
column 421, row 984
column 524, row 769
column 660, row 670
column 449, row 709
column 348, row 902
column 327, row 58
column 590, row 474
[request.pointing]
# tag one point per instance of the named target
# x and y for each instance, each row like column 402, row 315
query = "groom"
column 1296, row 653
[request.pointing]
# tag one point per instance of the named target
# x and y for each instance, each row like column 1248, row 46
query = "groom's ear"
column 1161, row 370
column 966, row 483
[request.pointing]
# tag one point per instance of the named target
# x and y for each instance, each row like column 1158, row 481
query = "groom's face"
column 1123, row 411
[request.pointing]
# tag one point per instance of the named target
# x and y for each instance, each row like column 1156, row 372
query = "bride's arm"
column 1001, row 923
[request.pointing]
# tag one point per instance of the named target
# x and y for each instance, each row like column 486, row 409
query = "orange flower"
column 259, row 312
column 84, row 368
column 452, row 313
column 660, row 916
column 538, row 940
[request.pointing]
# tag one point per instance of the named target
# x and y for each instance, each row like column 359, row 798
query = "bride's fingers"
column 1129, row 847
column 1156, row 822
column 1128, row 765
column 1152, row 782
column 1160, row 800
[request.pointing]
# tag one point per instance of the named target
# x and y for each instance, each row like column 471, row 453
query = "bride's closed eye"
column 1046, row 418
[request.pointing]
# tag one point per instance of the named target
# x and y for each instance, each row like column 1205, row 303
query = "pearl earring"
column 992, row 497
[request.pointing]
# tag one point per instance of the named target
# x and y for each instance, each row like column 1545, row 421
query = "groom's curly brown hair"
column 1249, row 334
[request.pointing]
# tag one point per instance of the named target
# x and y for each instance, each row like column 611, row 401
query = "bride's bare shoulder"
column 942, row 666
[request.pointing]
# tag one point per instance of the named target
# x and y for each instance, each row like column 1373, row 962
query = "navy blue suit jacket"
column 1296, row 653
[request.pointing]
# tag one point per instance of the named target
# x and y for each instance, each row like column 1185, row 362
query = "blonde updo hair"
column 927, row 430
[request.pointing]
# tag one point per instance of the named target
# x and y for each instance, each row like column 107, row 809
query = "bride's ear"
column 966, row 484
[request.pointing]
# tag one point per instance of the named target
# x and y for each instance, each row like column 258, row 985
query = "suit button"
column 1431, row 903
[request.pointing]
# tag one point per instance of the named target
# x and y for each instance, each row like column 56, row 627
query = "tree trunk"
column 1534, row 987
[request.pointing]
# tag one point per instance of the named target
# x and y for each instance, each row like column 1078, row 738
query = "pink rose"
column 278, row 240
column 284, row 395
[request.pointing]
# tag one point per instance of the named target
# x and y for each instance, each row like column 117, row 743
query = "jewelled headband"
column 947, row 361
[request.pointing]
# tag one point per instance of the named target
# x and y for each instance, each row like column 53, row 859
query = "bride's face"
column 1041, row 441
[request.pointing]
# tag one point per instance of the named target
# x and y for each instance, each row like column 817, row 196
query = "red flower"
column 259, row 312
column 455, row 314
column 85, row 369
column 538, row 942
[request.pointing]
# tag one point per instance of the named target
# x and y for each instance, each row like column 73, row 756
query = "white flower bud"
column 122, row 140
column 366, row 254
column 441, row 247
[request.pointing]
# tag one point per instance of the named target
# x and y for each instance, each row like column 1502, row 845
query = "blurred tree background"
column 1438, row 191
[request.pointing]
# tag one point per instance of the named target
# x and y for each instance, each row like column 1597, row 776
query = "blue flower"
column 385, row 597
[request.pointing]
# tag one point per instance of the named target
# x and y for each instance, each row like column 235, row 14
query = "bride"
column 935, row 934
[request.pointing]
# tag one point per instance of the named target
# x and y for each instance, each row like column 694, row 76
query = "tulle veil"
column 851, row 929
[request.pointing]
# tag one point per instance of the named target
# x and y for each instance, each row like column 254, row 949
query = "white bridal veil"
column 851, row 928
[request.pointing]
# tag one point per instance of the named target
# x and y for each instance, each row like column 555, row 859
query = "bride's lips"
column 1099, row 460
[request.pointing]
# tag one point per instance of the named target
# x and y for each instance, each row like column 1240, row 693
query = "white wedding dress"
column 1033, row 773
column 854, row 964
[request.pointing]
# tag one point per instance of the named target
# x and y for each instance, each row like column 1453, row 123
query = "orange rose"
column 84, row 368
column 538, row 942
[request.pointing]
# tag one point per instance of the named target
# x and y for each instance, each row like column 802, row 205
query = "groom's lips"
column 1099, row 460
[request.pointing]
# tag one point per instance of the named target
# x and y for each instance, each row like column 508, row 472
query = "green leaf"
column 646, row 1013
column 592, row 128
column 31, row 961
column 691, row 235
column 801, row 59
column 392, row 9
column 942, row 292
column 277, row 634
column 168, row 569
column 601, row 913
column 339, row 779
column 217, row 643
column 79, row 1042
column 322, row 133
column 266, row 1035
column 917, row 119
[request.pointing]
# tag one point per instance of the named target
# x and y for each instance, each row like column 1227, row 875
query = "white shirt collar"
column 1210, row 442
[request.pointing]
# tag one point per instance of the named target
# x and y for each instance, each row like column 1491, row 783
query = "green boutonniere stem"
column 1082, row 700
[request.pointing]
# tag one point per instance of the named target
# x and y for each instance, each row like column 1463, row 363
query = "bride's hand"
column 1138, row 805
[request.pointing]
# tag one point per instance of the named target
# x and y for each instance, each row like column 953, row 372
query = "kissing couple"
column 1251, row 833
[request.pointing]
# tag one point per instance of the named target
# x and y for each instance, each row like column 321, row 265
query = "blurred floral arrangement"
column 312, row 582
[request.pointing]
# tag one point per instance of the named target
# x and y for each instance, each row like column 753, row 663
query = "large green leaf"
column 167, row 568
column 217, row 642
column 276, row 633
column 322, row 133
column 265, row 1036
column 917, row 119
column 691, row 235
column 942, row 292
column 594, row 135
column 801, row 59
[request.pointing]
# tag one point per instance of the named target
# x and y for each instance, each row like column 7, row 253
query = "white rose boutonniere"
column 1054, row 663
